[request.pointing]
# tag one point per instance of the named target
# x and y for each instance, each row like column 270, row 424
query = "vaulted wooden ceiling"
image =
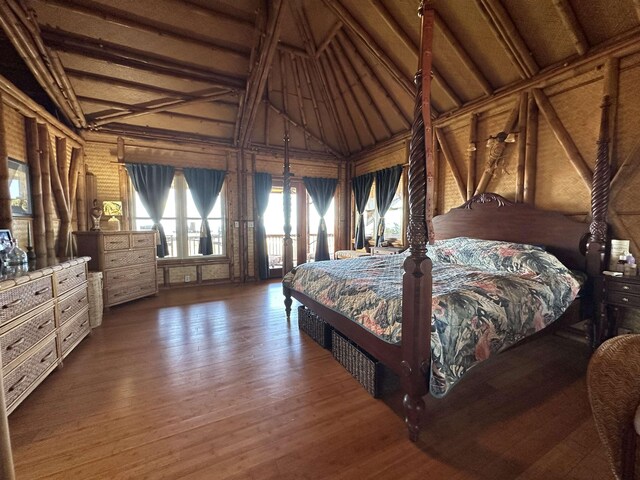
column 335, row 74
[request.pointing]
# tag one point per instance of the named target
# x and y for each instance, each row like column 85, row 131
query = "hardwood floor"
column 212, row 383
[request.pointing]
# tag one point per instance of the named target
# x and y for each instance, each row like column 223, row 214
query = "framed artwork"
column 5, row 239
column 19, row 188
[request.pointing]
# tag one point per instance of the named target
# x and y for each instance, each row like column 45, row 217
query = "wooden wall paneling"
column 47, row 200
column 6, row 218
column 522, row 147
column 531, row 152
column 33, row 157
column 448, row 156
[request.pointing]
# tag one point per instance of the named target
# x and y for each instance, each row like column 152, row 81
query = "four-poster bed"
column 487, row 217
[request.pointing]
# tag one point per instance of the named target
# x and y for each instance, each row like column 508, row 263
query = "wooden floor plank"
column 213, row 383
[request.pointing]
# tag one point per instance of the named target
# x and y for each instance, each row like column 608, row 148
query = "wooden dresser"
column 43, row 316
column 127, row 261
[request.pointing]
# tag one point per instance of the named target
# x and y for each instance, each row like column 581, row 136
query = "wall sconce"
column 501, row 137
column 471, row 147
column 113, row 209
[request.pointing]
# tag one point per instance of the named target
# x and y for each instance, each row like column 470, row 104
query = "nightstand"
column 386, row 250
column 620, row 293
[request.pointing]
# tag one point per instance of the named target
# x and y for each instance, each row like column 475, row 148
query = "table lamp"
column 112, row 209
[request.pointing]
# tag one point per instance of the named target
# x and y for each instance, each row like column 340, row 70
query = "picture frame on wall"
column 5, row 239
column 20, row 188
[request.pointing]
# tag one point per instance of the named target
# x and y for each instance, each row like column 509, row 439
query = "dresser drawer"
column 130, row 257
column 21, row 338
column 69, row 278
column 72, row 304
column 21, row 299
column 623, row 299
column 142, row 274
column 116, row 242
column 142, row 240
column 624, row 287
column 18, row 380
column 73, row 331
column 120, row 295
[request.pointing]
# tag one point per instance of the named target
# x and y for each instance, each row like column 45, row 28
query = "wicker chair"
column 613, row 381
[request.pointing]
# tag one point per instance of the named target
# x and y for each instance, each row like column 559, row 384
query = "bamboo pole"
column 563, row 137
column 448, row 156
column 531, row 154
column 74, row 172
column 314, row 102
column 383, row 118
column 81, row 197
column 332, row 33
column 568, row 17
column 473, row 155
column 33, row 156
column 522, row 147
column 63, row 166
column 625, row 172
column 63, row 208
column 496, row 152
column 611, row 87
column 301, row 111
column 47, row 201
column 339, row 67
column 346, row 39
column 6, row 217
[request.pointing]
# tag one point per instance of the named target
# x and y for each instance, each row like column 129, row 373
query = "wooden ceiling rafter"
column 137, row 59
column 463, row 55
column 346, row 40
column 258, row 76
column 367, row 40
column 570, row 21
column 24, row 33
column 217, row 14
column 304, row 29
column 329, row 38
column 340, row 69
column 298, row 52
column 339, row 46
column 314, row 102
column 176, row 136
column 121, row 18
column 298, row 85
column 144, row 108
column 330, row 74
column 508, row 36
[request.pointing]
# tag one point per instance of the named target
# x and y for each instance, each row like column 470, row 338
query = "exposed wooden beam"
column 300, row 98
column 314, row 102
column 24, row 34
column 339, row 68
column 298, row 52
column 448, row 91
column 331, row 76
column 332, row 33
column 464, row 57
column 531, row 154
column 258, row 78
column 115, row 16
column 626, row 171
column 216, row 14
column 448, row 155
column 344, row 38
column 306, row 131
column 508, row 36
column 141, row 60
column 367, row 40
column 342, row 53
column 473, row 154
column 563, row 137
column 522, row 146
column 174, row 136
column 138, row 110
column 568, row 17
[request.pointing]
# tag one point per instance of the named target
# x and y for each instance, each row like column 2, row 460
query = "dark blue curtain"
column 205, row 186
column 153, row 182
column 262, row 186
column 361, row 191
column 321, row 191
column 387, row 181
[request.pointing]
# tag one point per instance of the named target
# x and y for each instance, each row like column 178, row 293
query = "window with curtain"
column 181, row 221
column 313, row 220
column 394, row 219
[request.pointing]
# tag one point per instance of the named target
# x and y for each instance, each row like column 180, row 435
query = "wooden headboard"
column 491, row 217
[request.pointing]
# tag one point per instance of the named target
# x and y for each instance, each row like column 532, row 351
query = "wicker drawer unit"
column 127, row 261
column 33, row 308
column 73, row 331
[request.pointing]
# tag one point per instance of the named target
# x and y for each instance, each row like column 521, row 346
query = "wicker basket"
column 94, row 284
column 315, row 327
column 372, row 375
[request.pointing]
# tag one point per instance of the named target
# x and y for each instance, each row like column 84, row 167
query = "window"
column 181, row 221
column 313, row 222
column 393, row 220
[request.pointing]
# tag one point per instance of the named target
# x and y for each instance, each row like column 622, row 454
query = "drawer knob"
column 44, row 359
column 15, row 385
column 625, row 287
column 625, row 299
column 43, row 290
column 12, row 304
column 15, row 344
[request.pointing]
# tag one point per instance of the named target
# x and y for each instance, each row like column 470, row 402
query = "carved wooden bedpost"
column 287, row 257
column 416, row 281
column 596, row 249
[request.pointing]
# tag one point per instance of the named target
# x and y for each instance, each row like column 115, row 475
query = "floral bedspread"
column 487, row 295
